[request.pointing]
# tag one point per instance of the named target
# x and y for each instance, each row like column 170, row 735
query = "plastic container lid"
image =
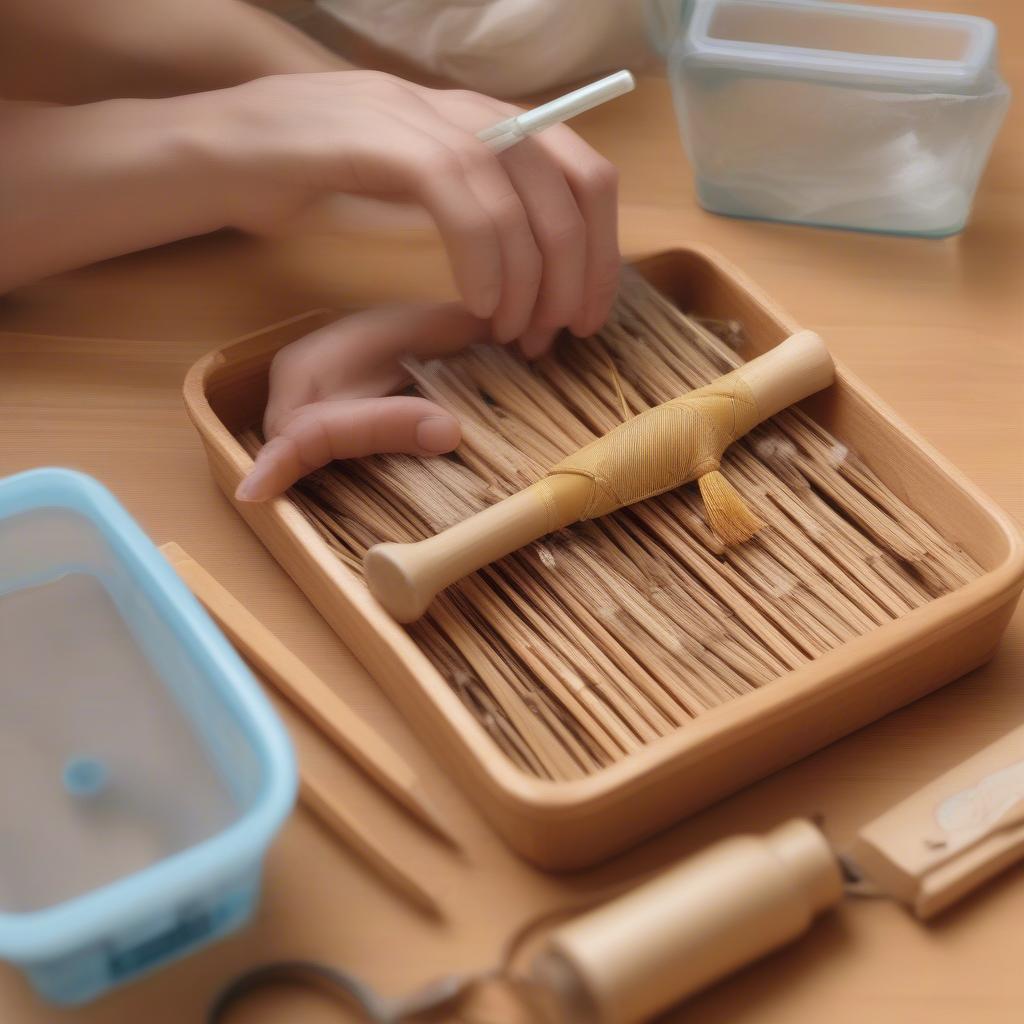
column 884, row 46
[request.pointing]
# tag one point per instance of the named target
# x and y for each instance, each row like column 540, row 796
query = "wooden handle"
column 405, row 578
column 702, row 919
column 794, row 369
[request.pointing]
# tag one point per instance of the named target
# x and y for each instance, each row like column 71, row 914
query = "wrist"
column 240, row 140
column 102, row 179
column 201, row 141
column 161, row 149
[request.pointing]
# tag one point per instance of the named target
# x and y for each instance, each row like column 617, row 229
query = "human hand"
column 332, row 393
column 531, row 234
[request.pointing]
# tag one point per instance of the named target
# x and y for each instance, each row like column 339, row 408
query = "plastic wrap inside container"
column 837, row 115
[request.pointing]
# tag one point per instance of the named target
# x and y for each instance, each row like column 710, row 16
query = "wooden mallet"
column 661, row 448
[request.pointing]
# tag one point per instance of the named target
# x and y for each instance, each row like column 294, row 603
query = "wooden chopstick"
column 324, row 804
column 310, row 694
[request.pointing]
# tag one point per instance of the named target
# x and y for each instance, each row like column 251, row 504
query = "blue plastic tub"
column 145, row 773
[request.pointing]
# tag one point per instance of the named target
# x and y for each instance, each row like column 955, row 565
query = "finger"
column 471, row 232
column 359, row 355
column 320, row 433
column 554, row 215
column 535, row 343
column 392, row 158
column 506, row 205
column 560, row 232
column 594, row 184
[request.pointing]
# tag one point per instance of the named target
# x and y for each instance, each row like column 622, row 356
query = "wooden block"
column 952, row 835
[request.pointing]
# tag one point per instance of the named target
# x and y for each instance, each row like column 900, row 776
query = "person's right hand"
column 531, row 234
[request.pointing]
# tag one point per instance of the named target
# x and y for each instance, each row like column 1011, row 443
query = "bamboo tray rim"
column 815, row 682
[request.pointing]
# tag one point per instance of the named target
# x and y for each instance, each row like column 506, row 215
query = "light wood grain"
column 936, row 327
column 913, row 855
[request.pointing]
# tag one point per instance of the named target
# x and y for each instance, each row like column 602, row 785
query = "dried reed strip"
column 823, row 539
column 591, row 644
column 825, row 526
column 538, row 643
column 669, row 595
column 543, row 684
column 627, row 696
column 476, row 693
column 609, row 637
column 503, row 682
column 473, row 693
column 852, row 468
column 773, row 623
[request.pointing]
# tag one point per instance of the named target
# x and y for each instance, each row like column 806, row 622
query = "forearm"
column 80, row 184
column 68, row 51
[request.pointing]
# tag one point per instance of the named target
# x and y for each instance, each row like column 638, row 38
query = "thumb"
column 316, row 434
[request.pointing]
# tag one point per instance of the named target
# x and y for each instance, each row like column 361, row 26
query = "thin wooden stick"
column 318, row 796
column 310, row 694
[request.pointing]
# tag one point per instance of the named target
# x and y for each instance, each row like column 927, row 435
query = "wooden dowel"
column 405, row 577
column 313, row 697
column 321, row 800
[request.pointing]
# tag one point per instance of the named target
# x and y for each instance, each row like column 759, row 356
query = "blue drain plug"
column 85, row 776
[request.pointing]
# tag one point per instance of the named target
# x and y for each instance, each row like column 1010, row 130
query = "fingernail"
column 247, row 490
column 485, row 306
column 438, row 434
column 505, row 333
column 535, row 343
column 253, row 487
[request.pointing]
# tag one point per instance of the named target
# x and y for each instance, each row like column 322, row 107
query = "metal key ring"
column 342, row 986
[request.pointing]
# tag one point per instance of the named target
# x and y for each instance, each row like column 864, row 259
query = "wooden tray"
column 577, row 823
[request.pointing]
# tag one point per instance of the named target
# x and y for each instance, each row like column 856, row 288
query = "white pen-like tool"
column 347, row 212
column 504, row 134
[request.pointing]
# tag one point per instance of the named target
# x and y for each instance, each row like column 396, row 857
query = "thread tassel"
column 728, row 514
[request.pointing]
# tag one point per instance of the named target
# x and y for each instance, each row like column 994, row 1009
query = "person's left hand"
column 332, row 393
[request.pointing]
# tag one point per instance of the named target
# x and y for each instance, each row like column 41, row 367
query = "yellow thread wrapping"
column 662, row 448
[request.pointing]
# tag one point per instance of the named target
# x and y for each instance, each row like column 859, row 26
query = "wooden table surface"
column 91, row 365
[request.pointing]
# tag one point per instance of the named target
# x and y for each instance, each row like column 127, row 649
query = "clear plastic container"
column 837, row 115
column 144, row 771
